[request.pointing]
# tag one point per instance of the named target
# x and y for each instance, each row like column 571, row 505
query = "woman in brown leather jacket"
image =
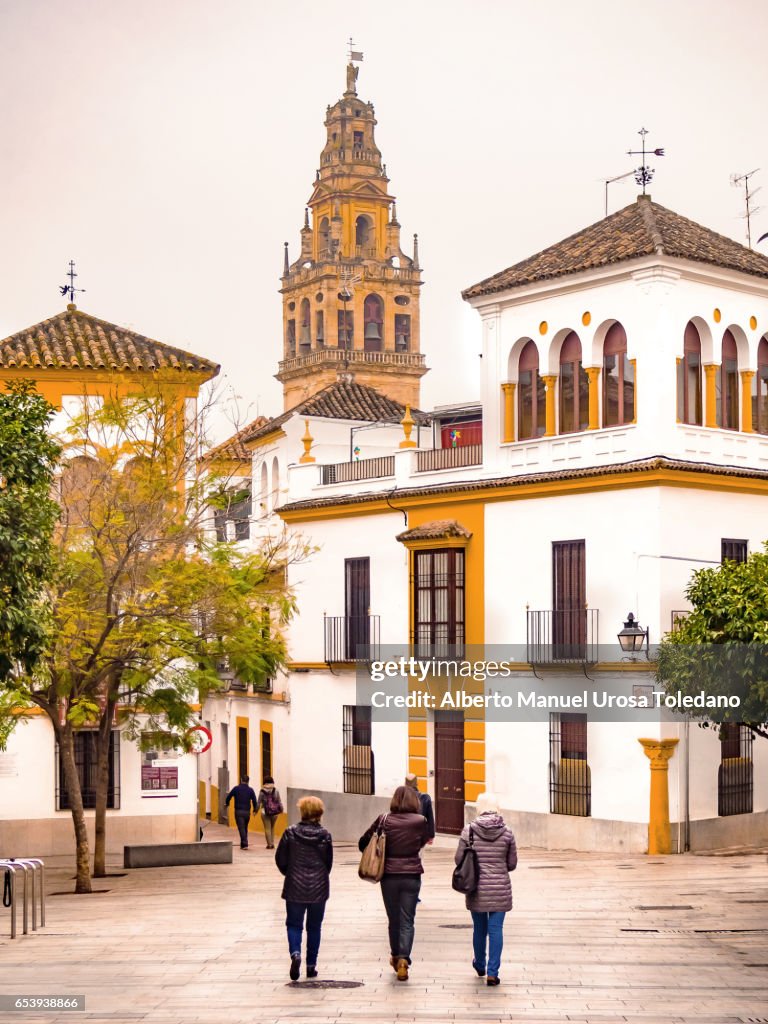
column 406, row 831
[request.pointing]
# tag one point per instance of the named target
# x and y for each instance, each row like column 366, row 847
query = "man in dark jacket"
column 244, row 798
column 305, row 856
column 426, row 805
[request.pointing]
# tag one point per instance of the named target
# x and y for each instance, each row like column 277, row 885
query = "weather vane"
column 354, row 54
column 69, row 289
column 644, row 173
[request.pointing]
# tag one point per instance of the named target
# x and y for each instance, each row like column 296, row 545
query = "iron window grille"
column 733, row 550
column 358, row 753
column 438, row 587
column 570, row 784
column 734, row 774
column 86, row 763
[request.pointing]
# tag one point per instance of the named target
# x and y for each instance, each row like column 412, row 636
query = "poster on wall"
column 160, row 778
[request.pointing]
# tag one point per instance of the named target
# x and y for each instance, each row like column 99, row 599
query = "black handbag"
column 466, row 874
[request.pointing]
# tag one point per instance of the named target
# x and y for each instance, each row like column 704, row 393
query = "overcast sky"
column 169, row 147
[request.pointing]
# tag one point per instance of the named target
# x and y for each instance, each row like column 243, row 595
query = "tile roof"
column 344, row 400
column 233, row 447
column 639, row 466
column 642, row 229
column 440, row 529
column 74, row 340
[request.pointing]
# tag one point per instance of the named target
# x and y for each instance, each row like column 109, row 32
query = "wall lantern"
column 633, row 637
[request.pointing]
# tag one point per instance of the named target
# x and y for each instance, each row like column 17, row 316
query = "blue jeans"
column 294, row 922
column 488, row 928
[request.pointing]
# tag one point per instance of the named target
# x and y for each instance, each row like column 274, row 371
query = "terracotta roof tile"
column 74, row 340
column 641, row 229
column 440, row 529
column 233, row 447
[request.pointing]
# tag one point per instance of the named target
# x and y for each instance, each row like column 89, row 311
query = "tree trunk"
column 102, row 790
column 83, row 853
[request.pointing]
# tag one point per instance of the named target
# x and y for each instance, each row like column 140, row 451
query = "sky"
column 169, row 147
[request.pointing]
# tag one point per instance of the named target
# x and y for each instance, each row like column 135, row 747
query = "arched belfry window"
column 689, row 405
column 531, row 401
column 760, row 389
column 727, row 385
column 305, row 330
column 364, row 239
column 324, row 237
column 574, row 387
column 618, row 379
column 373, row 316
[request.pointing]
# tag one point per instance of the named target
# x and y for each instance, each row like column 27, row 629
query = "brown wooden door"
column 569, row 600
column 449, row 771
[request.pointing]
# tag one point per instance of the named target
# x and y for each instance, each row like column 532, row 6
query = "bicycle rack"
column 33, row 869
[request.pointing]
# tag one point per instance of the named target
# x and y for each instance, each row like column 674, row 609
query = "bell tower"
column 351, row 299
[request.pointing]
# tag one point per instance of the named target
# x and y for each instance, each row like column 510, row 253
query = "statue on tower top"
column 352, row 73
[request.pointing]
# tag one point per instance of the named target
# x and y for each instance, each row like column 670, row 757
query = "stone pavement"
column 592, row 938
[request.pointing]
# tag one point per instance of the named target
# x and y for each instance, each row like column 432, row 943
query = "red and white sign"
column 201, row 738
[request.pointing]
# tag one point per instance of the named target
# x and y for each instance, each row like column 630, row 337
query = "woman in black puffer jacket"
column 305, row 856
column 406, row 830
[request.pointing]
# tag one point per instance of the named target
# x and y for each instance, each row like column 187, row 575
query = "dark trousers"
column 241, row 820
column 401, row 894
column 294, row 923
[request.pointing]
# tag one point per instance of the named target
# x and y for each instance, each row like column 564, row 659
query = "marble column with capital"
column 658, row 753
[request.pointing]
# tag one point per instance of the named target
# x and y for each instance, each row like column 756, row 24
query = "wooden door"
column 357, row 606
column 449, row 771
column 569, row 600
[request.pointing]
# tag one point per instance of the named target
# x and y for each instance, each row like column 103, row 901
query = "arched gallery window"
column 689, row 405
column 727, row 385
column 373, row 316
column 760, row 389
column 618, row 379
column 574, row 387
column 531, row 401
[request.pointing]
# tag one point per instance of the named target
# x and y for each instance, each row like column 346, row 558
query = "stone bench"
column 166, row 855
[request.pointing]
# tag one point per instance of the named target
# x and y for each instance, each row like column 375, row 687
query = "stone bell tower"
column 351, row 299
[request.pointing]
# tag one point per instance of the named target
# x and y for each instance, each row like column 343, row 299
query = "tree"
column 28, row 515
column 144, row 607
column 721, row 648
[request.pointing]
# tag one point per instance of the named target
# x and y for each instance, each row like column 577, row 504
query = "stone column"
column 508, row 390
column 746, row 401
column 550, row 380
column 710, row 396
column 658, row 753
column 593, row 373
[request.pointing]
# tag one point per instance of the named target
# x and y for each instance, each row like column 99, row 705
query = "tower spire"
column 286, row 268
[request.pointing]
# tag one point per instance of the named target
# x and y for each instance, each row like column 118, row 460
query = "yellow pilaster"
column 746, row 401
column 508, row 390
column 550, row 380
column 710, row 397
column 593, row 373
column 658, row 753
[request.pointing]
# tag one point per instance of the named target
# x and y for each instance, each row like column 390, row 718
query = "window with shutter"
column 438, row 595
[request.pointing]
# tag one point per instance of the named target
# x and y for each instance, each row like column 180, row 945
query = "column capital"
column 593, row 372
column 659, row 752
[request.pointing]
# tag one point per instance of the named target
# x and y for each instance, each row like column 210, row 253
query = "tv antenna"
column 737, row 180
column 644, row 174
column 69, row 289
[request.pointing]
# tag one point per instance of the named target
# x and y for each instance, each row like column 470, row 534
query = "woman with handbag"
column 495, row 856
column 404, row 832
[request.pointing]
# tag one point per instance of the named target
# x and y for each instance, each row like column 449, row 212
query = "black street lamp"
column 632, row 637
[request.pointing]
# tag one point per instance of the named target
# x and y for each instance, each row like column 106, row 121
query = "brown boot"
column 402, row 969
column 393, row 963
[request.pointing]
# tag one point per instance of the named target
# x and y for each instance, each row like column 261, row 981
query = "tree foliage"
column 721, row 647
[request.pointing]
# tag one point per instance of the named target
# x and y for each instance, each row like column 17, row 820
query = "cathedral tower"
column 351, row 299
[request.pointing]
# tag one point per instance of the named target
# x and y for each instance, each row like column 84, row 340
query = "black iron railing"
column 570, row 780
column 363, row 469
column 449, row 458
column 562, row 637
column 351, row 638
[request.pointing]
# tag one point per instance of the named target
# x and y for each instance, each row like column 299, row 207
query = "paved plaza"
column 592, row 938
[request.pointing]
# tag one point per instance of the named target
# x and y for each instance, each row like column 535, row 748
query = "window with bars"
column 358, row 753
column 266, row 754
column 570, row 784
column 438, row 595
column 236, row 510
column 86, row 763
column 734, row 775
column 733, row 550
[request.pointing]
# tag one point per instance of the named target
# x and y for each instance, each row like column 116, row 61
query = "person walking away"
column 244, row 798
column 426, row 805
column 271, row 806
column 305, row 856
column 496, row 851
column 405, row 828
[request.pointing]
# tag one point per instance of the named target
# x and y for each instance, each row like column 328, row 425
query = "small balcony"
column 363, row 469
column 555, row 637
column 351, row 638
column 449, row 458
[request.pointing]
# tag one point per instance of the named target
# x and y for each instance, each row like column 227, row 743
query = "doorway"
column 449, row 771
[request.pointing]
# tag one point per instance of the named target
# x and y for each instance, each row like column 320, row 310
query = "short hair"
column 405, row 799
column 311, row 808
column 244, row 778
column 268, row 780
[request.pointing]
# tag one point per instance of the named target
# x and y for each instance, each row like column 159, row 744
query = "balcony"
column 352, row 356
column 363, row 469
column 449, row 458
column 562, row 637
column 351, row 638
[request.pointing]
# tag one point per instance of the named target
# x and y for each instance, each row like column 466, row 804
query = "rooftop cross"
column 69, row 289
column 644, row 173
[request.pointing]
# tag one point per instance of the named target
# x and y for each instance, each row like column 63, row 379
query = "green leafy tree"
column 721, row 647
column 144, row 607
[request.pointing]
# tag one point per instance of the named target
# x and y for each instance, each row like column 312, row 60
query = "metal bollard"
column 30, row 866
column 37, row 865
column 12, row 869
